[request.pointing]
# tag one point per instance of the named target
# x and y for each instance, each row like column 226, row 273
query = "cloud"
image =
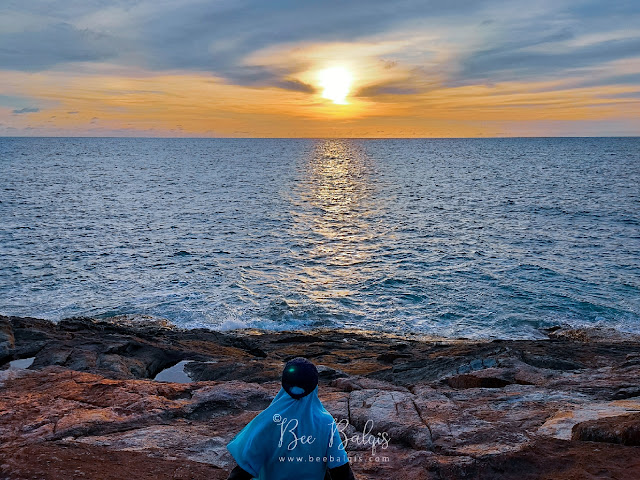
column 485, row 40
column 199, row 35
column 387, row 89
column 53, row 44
column 419, row 59
column 518, row 61
column 623, row 95
column 26, row 110
column 294, row 85
column 14, row 101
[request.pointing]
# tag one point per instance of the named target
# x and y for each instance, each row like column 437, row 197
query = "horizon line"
column 319, row 138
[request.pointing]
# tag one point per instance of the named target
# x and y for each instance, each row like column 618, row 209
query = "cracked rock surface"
column 88, row 406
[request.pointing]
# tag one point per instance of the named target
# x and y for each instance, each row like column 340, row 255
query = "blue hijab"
column 292, row 439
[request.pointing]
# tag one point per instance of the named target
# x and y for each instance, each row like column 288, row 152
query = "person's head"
column 299, row 377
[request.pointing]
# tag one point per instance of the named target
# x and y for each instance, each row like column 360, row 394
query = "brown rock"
column 623, row 429
column 87, row 407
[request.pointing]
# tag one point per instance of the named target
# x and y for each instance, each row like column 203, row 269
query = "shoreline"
column 563, row 407
column 568, row 329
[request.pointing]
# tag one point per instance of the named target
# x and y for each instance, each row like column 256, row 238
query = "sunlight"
column 336, row 82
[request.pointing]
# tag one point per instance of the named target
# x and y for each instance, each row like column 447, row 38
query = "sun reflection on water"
column 332, row 214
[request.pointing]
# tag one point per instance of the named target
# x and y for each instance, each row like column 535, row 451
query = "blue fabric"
column 290, row 440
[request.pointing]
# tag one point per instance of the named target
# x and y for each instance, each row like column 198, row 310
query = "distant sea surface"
column 475, row 238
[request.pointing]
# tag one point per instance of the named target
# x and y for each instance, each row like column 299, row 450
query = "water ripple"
column 475, row 238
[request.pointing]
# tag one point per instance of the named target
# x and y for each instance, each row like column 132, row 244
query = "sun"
column 336, row 84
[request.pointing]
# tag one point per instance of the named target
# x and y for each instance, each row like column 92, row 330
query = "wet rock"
column 30, row 335
column 7, row 341
column 623, row 429
column 596, row 334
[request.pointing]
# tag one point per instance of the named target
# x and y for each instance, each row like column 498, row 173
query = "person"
column 294, row 438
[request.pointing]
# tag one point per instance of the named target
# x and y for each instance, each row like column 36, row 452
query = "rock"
column 221, row 399
column 554, row 459
column 627, row 392
column 489, row 362
column 501, row 410
column 595, row 334
column 551, row 362
column 349, row 384
column 117, row 359
column 562, row 423
column 495, row 378
column 79, row 404
column 476, row 364
column 477, row 381
column 187, row 441
column 483, row 421
column 7, row 340
column 328, row 374
column 623, row 429
column 64, row 460
column 390, row 357
column 389, row 413
column 252, row 371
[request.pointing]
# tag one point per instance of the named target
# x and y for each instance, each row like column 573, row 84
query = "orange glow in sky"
column 495, row 71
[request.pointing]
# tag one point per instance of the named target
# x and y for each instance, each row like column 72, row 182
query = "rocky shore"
column 84, row 398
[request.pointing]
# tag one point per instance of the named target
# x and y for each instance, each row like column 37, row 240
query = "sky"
column 362, row 68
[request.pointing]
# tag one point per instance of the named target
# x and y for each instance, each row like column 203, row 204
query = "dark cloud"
column 387, row 89
column 515, row 61
column 26, row 110
column 52, row 45
column 295, row 85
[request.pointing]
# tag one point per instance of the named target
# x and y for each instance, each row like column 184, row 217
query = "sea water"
column 454, row 237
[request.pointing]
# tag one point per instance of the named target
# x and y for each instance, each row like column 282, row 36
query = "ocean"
column 474, row 238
